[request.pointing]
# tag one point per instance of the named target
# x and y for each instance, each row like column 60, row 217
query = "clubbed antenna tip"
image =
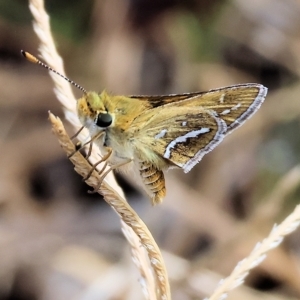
column 31, row 58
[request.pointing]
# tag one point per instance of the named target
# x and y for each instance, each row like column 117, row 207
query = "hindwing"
column 179, row 135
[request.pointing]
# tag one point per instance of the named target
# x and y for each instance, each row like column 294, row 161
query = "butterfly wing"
column 183, row 128
column 233, row 104
column 181, row 136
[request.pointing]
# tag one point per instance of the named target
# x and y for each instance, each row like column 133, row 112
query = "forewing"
column 180, row 135
column 234, row 104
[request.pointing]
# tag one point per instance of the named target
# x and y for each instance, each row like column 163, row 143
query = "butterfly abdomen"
column 154, row 181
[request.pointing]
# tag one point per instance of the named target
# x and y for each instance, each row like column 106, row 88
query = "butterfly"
column 156, row 133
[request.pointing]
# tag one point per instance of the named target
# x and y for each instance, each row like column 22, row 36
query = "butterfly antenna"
column 34, row 60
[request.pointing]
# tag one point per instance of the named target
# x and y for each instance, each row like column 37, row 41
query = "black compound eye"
column 103, row 120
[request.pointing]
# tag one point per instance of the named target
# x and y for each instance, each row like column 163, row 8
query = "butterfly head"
column 92, row 111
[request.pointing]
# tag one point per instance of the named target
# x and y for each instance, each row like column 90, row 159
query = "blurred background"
column 57, row 241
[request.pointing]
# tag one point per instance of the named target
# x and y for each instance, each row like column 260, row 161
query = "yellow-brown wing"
column 180, row 135
column 183, row 128
column 234, row 104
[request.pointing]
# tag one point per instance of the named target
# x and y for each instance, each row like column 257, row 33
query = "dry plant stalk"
column 258, row 254
column 41, row 26
column 110, row 191
column 123, row 209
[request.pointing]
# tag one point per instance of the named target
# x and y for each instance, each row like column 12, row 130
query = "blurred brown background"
column 58, row 242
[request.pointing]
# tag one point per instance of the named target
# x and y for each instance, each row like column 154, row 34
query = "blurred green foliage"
column 68, row 18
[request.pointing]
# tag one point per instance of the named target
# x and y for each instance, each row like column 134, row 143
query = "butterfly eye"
column 103, row 120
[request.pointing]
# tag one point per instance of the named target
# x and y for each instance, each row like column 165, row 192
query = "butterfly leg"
column 88, row 142
column 111, row 168
column 77, row 133
column 154, row 180
column 90, row 150
column 94, row 166
column 78, row 144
